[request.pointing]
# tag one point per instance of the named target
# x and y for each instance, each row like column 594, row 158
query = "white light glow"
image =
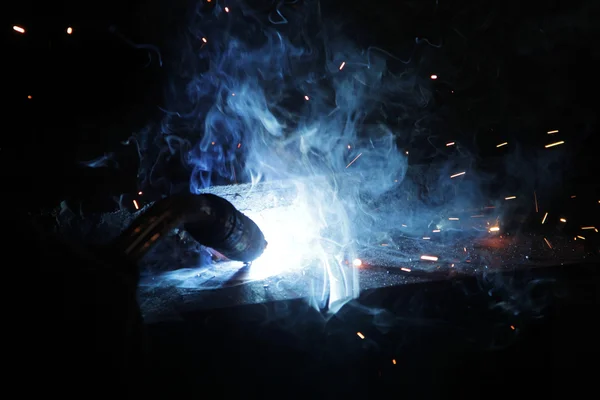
column 293, row 239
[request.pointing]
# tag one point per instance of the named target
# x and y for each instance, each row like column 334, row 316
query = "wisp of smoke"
column 291, row 101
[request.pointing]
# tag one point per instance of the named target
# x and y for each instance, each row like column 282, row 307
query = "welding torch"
column 211, row 220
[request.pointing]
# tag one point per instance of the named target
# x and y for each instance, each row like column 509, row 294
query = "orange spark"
column 554, row 144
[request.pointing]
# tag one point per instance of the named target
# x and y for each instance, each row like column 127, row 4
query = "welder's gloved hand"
column 84, row 324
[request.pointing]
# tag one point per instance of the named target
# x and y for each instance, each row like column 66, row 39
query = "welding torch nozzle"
column 211, row 220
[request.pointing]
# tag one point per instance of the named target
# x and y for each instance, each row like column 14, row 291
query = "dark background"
column 508, row 71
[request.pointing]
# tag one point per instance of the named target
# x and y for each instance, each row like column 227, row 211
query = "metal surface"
column 179, row 276
column 226, row 284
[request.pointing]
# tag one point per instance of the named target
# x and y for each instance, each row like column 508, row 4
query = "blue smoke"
column 285, row 97
column 261, row 97
column 264, row 104
column 274, row 97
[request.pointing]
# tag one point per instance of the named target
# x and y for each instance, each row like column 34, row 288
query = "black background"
column 509, row 71
column 517, row 69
